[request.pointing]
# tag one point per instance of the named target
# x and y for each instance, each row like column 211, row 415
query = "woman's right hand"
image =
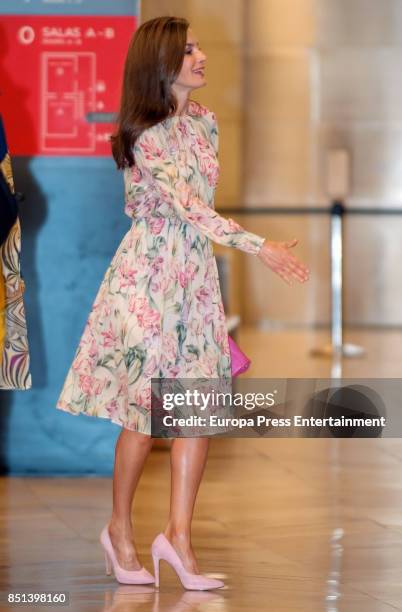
column 277, row 256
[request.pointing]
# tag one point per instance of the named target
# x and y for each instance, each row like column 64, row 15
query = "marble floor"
column 289, row 524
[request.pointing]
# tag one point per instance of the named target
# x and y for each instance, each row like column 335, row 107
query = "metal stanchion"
column 337, row 348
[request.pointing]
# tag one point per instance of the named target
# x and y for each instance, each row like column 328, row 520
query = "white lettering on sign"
column 103, row 137
column 62, row 32
column 26, row 35
column 106, row 33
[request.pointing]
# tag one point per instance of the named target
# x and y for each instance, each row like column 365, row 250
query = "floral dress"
column 158, row 312
column 14, row 349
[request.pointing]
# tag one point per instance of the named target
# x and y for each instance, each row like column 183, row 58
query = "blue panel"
column 72, row 222
column 69, row 7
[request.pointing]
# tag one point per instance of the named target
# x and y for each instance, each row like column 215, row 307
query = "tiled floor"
column 290, row 524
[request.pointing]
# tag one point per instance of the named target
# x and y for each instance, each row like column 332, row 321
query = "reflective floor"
column 289, row 524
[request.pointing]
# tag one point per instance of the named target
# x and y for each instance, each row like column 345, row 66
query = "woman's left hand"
column 276, row 256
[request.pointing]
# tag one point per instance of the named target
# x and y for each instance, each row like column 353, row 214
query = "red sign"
column 60, row 81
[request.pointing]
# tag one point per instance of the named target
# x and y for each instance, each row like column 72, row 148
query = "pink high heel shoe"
column 163, row 550
column 141, row 576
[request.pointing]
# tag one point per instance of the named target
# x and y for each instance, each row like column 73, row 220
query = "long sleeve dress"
column 159, row 312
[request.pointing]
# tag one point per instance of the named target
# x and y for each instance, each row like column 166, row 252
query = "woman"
column 159, row 310
column 14, row 350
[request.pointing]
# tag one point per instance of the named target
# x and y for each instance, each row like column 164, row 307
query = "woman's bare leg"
column 188, row 458
column 131, row 451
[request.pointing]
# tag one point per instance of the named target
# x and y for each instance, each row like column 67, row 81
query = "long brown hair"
column 154, row 59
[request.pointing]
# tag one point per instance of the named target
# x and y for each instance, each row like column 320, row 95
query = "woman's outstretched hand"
column 277, row 256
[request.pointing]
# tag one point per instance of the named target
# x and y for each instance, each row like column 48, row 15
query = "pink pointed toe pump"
column 163, row 550
column 141, row 576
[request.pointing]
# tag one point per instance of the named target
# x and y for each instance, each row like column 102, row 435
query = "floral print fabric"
column 159, row 312
column 14, row 359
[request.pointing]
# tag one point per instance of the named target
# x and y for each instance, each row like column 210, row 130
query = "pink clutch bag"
column 240, row 361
